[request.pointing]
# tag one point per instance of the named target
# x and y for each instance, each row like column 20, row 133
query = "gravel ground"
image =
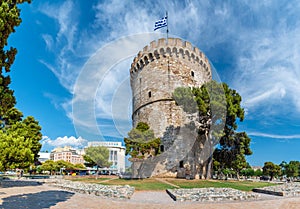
column 38, row 196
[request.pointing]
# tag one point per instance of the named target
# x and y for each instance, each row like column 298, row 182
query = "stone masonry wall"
column 155, row 73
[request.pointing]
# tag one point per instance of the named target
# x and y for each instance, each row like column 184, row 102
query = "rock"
column 120, row 192
column 210, row 194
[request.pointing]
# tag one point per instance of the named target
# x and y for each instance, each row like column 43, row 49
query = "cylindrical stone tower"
column 156, row 72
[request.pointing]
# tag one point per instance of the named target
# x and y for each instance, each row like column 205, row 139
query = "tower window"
column 192, row 73
column 149, row 94
column 181, row 164
column 162, row 148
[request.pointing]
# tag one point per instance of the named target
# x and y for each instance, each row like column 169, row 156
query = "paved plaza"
column 33, row 194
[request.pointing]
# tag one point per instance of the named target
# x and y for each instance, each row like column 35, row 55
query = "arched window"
column 192, row 73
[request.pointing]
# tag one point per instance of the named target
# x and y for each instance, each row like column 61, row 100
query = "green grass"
column 140, row 184
column 153, row 184
column 240, row 185
column 88, row 180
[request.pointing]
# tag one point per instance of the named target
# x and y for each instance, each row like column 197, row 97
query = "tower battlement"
column 174, row 48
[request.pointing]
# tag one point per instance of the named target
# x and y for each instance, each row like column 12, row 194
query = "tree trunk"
column 208, row 168
column 97, row 172
column 210, row 159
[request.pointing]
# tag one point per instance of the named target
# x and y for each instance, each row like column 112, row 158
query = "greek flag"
column 161, row 23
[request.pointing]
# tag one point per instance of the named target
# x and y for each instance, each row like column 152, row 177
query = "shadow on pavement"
column 18, row 183
column 44, row 199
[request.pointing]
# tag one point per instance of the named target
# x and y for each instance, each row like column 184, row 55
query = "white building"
column 43, row 156
column 116, row 154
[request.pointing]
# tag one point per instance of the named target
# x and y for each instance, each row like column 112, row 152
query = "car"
column 10, row 173
column 264, row 178
column 124, row 175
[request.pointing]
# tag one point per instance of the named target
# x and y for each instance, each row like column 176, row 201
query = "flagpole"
column 167, row 26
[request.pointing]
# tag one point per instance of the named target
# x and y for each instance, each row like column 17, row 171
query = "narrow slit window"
column 149, row 94
column 162, row 148
column 192, row 73
column 181, row 164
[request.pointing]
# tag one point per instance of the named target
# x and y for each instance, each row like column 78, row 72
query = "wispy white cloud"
column 267, row 68
column 274, row 136
column 63, row 43
column 48, row 41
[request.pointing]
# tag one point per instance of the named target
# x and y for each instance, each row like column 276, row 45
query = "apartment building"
column 68, row 154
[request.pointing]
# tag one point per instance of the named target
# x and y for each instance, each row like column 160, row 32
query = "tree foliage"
column 9, row 19
column 219, row 109
column 88, row 161
column 15, row 152
column 141, row 142
column 232, row 153
column 291, row 169
column 99, row 155
column 24, row 134
column 49, row 165
column 271, row 169
column 56, row 166
column 258, row 172
column 30, row 130
column 248, row 172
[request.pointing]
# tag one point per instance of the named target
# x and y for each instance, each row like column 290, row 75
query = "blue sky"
column 254, row 46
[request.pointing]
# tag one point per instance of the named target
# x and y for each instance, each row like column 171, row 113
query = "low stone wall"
column 210, row 194
column 286, row 189
column 120, row 192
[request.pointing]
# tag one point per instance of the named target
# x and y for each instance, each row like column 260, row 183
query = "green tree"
column 15, row 152
column 292, row 169
column 219, row 108
column 64, row 164
column 57, row 166
column 99, row 155
column 283, row 166
column 30, row 129
column 11, row 117
column 79, row 166
column 233, row 155
column 258, row 172
column 248, row 172
column 141, row 142
column 9, row 19
column 271, row 169
column 49, row 165
column 88, row 161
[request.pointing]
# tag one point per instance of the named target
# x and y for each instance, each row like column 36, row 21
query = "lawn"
column 154, row 184
column 88, row 180
column 141, row 184
column 240, row 185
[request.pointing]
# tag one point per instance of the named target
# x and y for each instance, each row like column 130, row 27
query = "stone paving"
column 39, row 195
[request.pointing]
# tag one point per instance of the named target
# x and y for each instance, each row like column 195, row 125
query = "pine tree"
column 19, row 141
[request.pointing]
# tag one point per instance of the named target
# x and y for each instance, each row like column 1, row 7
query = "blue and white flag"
column 161, row 23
